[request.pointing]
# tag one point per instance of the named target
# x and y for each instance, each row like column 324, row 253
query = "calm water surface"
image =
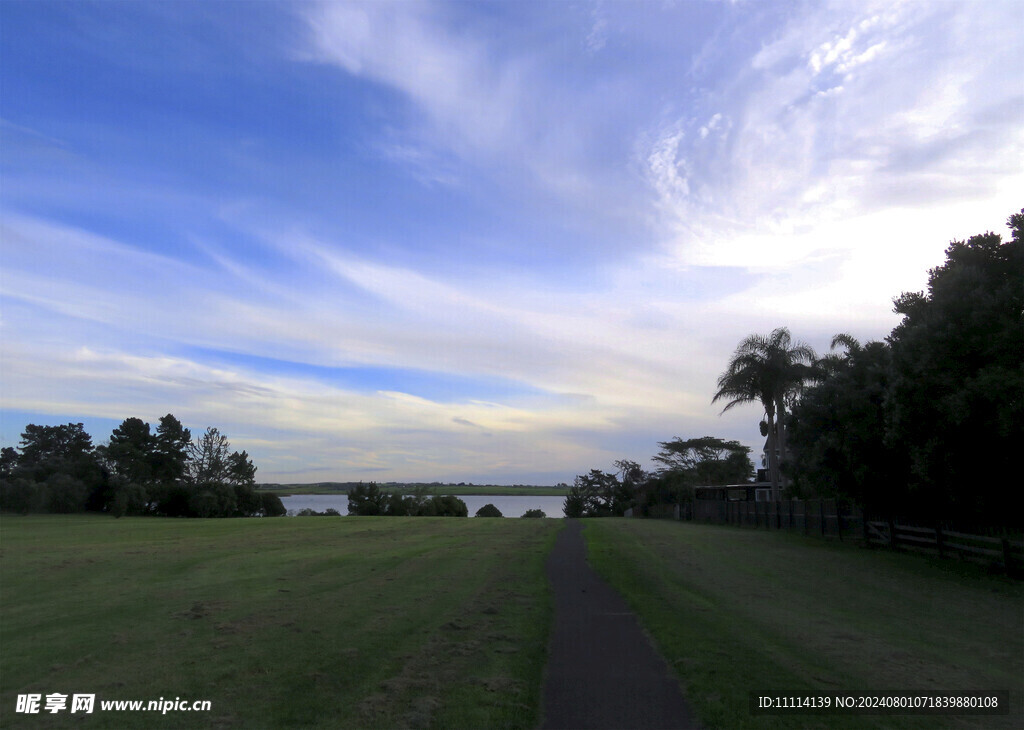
column 510, row 506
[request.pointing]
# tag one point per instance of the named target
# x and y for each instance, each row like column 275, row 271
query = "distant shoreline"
column 284, row 490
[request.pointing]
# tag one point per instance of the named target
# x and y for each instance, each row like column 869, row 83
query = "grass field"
column 741, row 610
column 433, row 622
column 357, row 622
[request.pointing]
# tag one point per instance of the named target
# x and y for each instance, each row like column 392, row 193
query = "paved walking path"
column 603, row 671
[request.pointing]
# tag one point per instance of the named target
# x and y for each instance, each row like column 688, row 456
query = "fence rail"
column 828, row 517
column 979, row 548
column 842, row 519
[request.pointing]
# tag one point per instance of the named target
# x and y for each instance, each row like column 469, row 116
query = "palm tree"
column 771, row 370
column 833, row 363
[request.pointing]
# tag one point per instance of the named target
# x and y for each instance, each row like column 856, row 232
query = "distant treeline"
column 684, row 465
column 325, row 487
column 139, row 472
column 923, row 427
column 368, row 500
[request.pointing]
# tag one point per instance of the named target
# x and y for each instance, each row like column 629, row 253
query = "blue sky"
column 503, row 242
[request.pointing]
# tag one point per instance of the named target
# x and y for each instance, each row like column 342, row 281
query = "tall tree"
column 839, row 446
column 366, row 499
column 957, row 396
column 8, row 461
column 770, row 370
column 50, row 444
column 67, row 450
column 209, row 458
column 241, row 470
column 597, row 494
column 171, row 451
column 705, row 461
column 131, row 451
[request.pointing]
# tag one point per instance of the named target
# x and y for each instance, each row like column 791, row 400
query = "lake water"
column 510, row 506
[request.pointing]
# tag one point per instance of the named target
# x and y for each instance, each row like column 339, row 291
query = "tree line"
column 369, row 500
column 140, row 471
column 683, row 465
column 923, row 426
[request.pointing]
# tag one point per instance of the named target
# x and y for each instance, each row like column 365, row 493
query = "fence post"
column 839, row 519
column 1008, row 558
column 821, row 511
column 778, row 515
column 938, row 540
column 893, row 543
column 757, row 514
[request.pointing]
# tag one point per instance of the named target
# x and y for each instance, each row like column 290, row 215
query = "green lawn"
column 739, row 610
column 329, row 622
column 434, row 622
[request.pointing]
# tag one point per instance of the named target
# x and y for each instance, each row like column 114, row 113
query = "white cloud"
column 562, row 342
column 280, row 420
column 597, row 38
column 490, row 100
column 450, row 75
column 852, row 110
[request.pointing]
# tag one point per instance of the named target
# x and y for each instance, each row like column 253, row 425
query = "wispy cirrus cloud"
column 452, row 76
column 419, row 239
column 850, row 110
column 577, row 358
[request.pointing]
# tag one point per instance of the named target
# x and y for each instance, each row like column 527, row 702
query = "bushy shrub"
column 172, row 499
column 213, row 499
column 449, row 506
column 307, row 512
column 65, row 494
column 22, row 495
column 271, row 505
column 127, row 497
column 366, row 499
column 398, row 506
column 247, row 501
column 534, row 513
column 489, row 510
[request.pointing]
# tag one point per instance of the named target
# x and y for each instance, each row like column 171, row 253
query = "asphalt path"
column 603, row 671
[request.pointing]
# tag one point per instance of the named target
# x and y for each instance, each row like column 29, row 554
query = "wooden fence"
column 844, row 520
column 826, row 517
column 1009, row 554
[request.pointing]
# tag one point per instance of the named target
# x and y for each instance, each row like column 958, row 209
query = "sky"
column 492, row 242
